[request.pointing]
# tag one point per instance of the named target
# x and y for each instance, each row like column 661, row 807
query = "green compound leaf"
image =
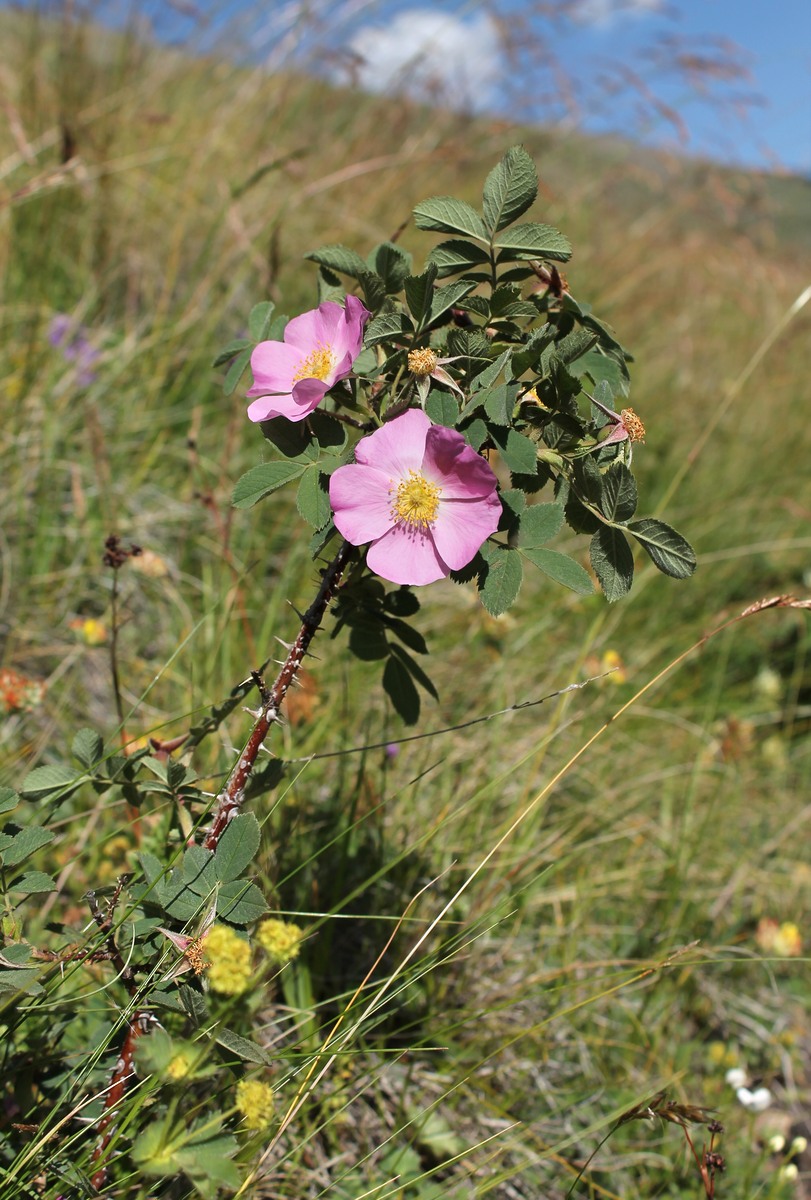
column 561, row 568
column 339, row 258
column 456, row 255
column 45, row 783
column 392, row 264
column 23, row 844
column 8, row 799
column 236, row 371
column 312, row 498
column 87, row 747
column 33, row 883
column 260, row 320
column 388, row 327
column 442, row 408
column 262, row 480
column 401, row 690
column 244, row 1049
column 510, row 189
column 447, row 296
column 229, row 351
column 445, row 214
column 502, row 580
column 671, row 553
column 419, row 292
column 612, row 561
column 240, row 902
column 532, row 241
column 518, row 452
column 237, row 847
column 538, row 524
column 620, row 493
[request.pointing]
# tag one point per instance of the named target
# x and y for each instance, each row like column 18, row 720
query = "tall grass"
column 556, row 954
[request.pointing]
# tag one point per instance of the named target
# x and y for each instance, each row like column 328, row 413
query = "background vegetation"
column 610, row 945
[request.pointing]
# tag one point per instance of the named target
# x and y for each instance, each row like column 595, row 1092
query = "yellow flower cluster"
column 229, row 958
column 280, row 940
column 256, row 1103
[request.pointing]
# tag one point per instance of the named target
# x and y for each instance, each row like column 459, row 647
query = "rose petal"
column 361, row 503
column 456, row 467
column 462, row 526
column 274, row 365
column 397, row 447
column 406, row 555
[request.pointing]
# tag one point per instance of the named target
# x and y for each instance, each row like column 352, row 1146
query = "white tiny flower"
column 799, row 1145
column 776, row 1143
column 736, row 1077
column 757, row 1101
column 789, row 1172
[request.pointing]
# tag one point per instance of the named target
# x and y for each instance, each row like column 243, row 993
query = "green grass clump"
column 509, row 943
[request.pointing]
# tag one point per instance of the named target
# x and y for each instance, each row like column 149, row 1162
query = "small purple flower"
column 76, row 347
column 58, row 329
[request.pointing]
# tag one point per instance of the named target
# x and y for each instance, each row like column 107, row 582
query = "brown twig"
column 231, row 797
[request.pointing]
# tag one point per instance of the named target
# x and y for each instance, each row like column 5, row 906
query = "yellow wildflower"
column 229, row 958
column 256, row 1103
column 280, row 940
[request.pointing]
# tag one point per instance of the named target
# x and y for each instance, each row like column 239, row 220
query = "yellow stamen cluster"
column 317, row 365
column 417, row 501
column 636, row 430
column 280, row 940
column 181, row 1066
column 422, row 362
column 195, row 957
column 256, row 1103
column 229, row 968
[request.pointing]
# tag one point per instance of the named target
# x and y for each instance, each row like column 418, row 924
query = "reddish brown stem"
column 231, row 797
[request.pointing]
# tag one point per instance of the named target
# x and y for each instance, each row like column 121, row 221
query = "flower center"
column 422, row 362
column 318, row 364
column 636, row 430
column 417, row 501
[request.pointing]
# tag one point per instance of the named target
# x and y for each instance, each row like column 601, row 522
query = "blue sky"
column 759, row 117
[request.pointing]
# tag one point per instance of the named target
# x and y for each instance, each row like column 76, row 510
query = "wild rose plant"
column 442, row 422
column 422, row 419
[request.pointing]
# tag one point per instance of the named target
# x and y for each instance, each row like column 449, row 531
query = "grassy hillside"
column 610, row 945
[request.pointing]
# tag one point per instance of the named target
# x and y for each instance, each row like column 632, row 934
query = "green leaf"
column 228, row 352
column 312, row 498
column 236, row 371
column 445, row 214
column 87, row 747
column 502, row 579
column 510, row 189
column 575, row 344
column 499, row 402
column 374, row 290
column 259, row 320
column 475, row 433
column 419, row 292
column 244, row 1049
column 561, row 568
column 8, row 799
column 518, row 452
column 33, row 883
column 21, row 981
column 408, row 634
column 442, row 408
column 44, row 783
column 612, row 561
column 237, row 847
column 539, row 523
column 401, row 690
column 339, row 258
column 262, row 480
column 151, row 866
column 619, row 493
column 24, row 844
column 456, row 255
column 240, row 903
column 603, row 367
column 490, row 374
column 532, row 241
column 392, row 264
column 388, row 327
column 447, row 297
column 671, row 553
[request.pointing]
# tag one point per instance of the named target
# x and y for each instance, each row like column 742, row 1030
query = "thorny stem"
column 229, row 803
column 231, row 797
column 119, row 707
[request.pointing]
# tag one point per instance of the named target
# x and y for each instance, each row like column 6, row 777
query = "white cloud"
column 605, row 12
column 430, row 54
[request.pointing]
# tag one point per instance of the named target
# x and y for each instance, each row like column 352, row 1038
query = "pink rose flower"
column 292, row 377
column 424, row 499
